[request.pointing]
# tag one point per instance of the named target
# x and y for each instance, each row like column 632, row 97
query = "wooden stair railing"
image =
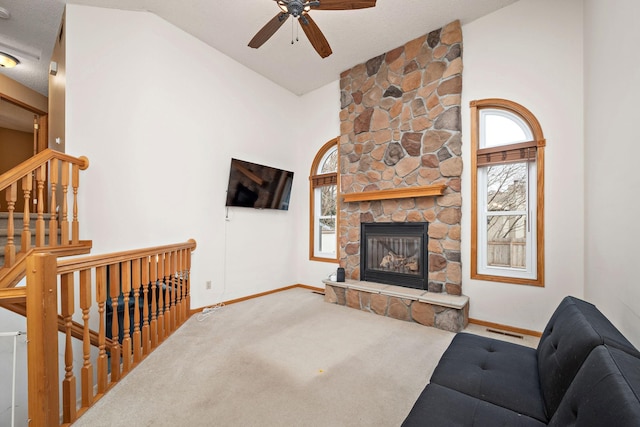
column 51, row 169
column 19, row 306
column 152, row 285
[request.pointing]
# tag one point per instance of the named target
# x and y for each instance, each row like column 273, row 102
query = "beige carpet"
column 285, row 359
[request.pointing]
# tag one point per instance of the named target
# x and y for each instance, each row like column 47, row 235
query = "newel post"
column 42, row 343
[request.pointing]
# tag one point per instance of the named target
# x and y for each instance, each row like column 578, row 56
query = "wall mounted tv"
column 257, row 186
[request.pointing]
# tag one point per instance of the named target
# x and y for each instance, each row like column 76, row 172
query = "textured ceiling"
column 15, row 117
column 355, row 35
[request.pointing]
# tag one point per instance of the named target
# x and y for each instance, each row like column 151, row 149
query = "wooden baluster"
column 183, row 282
column 41, row 177
column 168, row 318
column 27, row 187
column 75, row 183
column 42, row 345
column 125, row 271
column 175, row 308
column 145, row 306
column 153, row 270
column 53, row 220
column 187, row 279
column 137, row 346
column 64, row 224
column 87, row 367
column 114, row 293
column 161, row 313
column 179, row 259
column 10, row 248
column 69, row 382
column 101, row 299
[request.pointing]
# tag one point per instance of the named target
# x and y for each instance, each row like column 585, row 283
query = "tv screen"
column 257, row 186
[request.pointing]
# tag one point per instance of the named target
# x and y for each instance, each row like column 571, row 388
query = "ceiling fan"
column 300, row 9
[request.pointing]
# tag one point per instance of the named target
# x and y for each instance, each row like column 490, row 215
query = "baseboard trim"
column 505, row 327
column 261, row 294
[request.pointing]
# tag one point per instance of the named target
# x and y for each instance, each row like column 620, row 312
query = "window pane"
column 330, row 162
column 506, row 241
column 326, row 219
column 502, row 128
column 507, row 187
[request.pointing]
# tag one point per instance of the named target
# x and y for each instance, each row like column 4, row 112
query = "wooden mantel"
column 395, row 193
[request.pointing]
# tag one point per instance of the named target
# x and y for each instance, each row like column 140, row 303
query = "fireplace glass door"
column 394, row 253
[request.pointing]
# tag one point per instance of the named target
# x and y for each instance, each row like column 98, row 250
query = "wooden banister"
column 146, row 276
column 19, row 306
column 26, row 189
column 35, row 162
column 76, row 264
column 13, row 295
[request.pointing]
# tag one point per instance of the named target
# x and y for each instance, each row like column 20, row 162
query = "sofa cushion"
column 605, row 392
column 575, row 328
column 439, row 406
column 498, row 372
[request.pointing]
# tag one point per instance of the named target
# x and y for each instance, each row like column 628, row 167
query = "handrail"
column 10, row 277
column 76, row 264
column 37, row 161
column 13, row 295
column 19, row 306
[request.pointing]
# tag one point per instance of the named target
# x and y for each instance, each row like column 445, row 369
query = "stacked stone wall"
column 400, row 127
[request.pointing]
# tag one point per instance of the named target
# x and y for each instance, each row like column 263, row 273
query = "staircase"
column 71, row 295
column 49, row 175
column 18, row 226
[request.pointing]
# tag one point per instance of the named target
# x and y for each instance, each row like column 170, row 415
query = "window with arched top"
column 323, row 180
column 507, row 188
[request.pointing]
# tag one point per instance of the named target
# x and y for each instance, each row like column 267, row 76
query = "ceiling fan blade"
column 344, row 4
column 315, row 36
column 268, row 30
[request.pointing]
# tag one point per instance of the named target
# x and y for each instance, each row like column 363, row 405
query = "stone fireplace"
column 400, row 162
column 400, row 127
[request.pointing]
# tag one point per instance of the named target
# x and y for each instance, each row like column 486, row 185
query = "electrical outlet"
column 208, row 285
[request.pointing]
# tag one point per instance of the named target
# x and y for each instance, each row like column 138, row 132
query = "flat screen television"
column 252, row 185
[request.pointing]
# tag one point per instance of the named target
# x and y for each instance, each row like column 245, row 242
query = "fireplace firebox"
column 394, row 253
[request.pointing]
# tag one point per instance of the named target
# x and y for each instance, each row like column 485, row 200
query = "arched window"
column 507, row 186
column 323, row 234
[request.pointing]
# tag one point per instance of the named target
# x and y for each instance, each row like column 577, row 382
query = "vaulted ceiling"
column 354, row 35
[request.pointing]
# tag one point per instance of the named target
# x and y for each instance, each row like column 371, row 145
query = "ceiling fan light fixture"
column 8, row 61
column 4, row 13
column 283, row 6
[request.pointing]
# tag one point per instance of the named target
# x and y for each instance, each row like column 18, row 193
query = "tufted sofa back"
column 605, row 392
column 574, row 330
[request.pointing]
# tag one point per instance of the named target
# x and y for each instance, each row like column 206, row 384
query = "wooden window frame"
column 326, row 179
column 539, row 144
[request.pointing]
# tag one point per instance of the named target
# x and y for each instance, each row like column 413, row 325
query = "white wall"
column 612, row 226
column 531, row 52
column 160, row 115
column 321, row 124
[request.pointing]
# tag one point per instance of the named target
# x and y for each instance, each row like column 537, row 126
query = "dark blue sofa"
column 583, row 373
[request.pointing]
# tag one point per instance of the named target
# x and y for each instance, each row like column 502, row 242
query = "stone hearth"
column 447, row 312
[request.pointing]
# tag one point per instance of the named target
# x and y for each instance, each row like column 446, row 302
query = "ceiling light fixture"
column 8, row 61
column 4, row 13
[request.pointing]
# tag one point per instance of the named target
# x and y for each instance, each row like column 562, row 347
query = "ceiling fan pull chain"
column 292, row 30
